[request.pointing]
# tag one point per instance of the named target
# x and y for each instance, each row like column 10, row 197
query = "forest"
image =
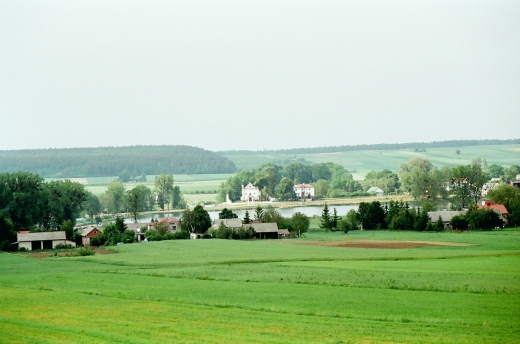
column 113, row 161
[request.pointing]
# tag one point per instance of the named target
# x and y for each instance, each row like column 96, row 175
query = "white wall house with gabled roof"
column 250, row 193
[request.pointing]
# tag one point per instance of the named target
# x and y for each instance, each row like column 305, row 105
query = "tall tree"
column 300, row 223
column 137, row 200
column 259, row 214
column 285, row 191
column 176, row 197
column 92, row 206
column 227, row 214
column 164, row 185
column 196, row 220
column 246, row 220
column 64, row 200
column 116, row 196
column 326, row 220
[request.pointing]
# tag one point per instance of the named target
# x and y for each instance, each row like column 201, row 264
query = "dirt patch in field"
column 384, row 244
column 64, row 253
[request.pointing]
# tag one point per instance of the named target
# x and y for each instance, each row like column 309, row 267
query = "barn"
column 42, row 240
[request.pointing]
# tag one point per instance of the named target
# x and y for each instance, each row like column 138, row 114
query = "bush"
column 484, row 219
column 62, row 246
column 459, row 222
column 86, row 252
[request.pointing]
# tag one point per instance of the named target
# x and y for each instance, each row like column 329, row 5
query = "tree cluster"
column 27, row 202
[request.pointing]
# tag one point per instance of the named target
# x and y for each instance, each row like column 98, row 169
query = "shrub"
column 62, row 246
column 484, row 219
column 86, row 252
column 459, row 222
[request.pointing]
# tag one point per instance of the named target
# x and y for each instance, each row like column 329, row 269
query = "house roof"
column 299, row 186
column 283, row 232
column 87, row 230
column 229, row 223
column 499, row 208
column 169, row 220
column 264, row 227
column 446, row 216
column 40, row 236
column 375, row 189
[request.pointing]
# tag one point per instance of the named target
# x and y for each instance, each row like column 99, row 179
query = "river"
column 286, row 212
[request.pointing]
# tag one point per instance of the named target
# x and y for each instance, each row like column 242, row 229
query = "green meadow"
column 364, row 161
column 316, row 289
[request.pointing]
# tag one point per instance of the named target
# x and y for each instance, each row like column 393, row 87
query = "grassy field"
column 365, row 161
column 271, row 291
column 189, row 183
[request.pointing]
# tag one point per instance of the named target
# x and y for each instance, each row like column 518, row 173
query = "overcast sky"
column 242, row 74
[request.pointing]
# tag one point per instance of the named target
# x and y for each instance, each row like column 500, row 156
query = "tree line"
column 420, row 146
column 115, row 161
column 329, row 179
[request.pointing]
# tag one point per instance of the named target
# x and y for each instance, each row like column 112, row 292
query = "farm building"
column 229, row 223
column 498, row 208
column 89, row 233
column 378, row 191
column 265, row 230
column 446, row 216
column 283, row 233
column 195, row 236
column 42, row 240
column 304, row 190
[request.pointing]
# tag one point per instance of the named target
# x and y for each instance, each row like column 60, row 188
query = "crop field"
column 447, row 287
column 364, row 161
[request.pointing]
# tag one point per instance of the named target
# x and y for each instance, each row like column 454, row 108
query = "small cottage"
column 88, row 233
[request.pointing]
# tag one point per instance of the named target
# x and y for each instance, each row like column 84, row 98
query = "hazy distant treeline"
column 383, row 146
column 112, row 161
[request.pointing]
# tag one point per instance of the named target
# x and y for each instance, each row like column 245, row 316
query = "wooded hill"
column 380, row 146
column 112, row 161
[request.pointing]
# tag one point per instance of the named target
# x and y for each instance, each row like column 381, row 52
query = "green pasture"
column 364, row 161
column 270, row 291
column 188, row 183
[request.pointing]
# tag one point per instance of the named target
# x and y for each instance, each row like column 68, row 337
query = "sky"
column 258, row 74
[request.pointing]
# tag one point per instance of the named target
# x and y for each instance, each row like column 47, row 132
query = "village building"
column 445, row 216
column 378, row 191
column 42, row 240
column 304, row 190
column 265, row 230
column 283, row 233
column 229, row 223
column 500, row 209
column 88, row 233
column 250, row 193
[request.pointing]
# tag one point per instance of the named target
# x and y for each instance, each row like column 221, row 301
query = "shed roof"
column 229, row 223
column 40, row 236
column 499, row 208
column 264, row 227
column 88, row 230
column 446, row 216
column 375, row 189
column 283, row 232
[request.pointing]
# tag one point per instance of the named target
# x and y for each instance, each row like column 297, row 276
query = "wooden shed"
column 89, row 233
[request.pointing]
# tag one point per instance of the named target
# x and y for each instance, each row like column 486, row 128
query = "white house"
column 250, row 193
column 304, row 190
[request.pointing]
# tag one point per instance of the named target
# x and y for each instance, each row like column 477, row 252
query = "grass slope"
column 270, row 291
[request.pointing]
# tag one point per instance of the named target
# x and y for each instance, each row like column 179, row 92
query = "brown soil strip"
column 65, row 253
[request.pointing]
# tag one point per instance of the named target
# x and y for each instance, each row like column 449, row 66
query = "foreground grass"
column 270, row 291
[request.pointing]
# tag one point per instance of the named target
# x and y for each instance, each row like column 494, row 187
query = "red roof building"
column 499, row 208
